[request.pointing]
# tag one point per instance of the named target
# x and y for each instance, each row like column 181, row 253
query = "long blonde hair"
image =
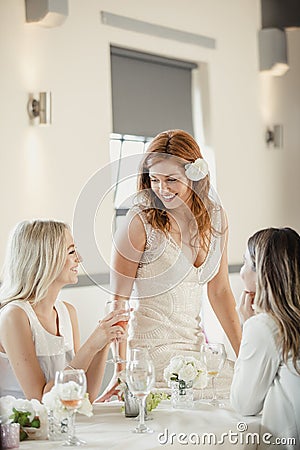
column 36, row 254
column 275, row 255
column 180, row 146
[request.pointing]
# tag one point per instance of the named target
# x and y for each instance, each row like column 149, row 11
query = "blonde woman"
column 172, row 245
column 38, row 333
column 267, row 371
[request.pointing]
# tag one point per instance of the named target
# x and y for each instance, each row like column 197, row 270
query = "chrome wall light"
column 40, row 108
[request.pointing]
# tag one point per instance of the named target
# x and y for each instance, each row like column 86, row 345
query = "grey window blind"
column 150, row 93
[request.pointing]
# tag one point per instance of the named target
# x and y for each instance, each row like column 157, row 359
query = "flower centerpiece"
column 183, row 374
column 58, row 416
column 30, row 414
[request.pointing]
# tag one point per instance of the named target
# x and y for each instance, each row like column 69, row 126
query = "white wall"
column 44, row 169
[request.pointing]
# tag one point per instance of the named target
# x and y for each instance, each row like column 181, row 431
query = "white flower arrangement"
column 197, row 170
column 52, row 401
column 187, row 369
column 30, row 414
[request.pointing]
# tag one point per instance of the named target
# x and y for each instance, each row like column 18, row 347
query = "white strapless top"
column 167, row 297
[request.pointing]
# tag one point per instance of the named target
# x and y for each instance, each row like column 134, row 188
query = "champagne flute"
column 71, row 386
column 214, row 356
column 140, row 377
column 114, row 305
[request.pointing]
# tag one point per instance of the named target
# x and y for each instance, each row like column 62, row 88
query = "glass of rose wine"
column 71, row 386
column 114, row 305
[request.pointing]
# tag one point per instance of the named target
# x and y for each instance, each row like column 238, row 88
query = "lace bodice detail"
column 167, row 297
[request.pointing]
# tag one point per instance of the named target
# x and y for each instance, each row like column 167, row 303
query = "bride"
column 172, row 245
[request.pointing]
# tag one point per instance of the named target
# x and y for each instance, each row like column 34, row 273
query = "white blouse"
column 53, row 352
column 262, row 382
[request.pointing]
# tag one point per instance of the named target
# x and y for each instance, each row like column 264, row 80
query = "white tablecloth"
column 109, row 429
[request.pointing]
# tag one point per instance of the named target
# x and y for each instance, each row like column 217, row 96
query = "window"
column 150, row 94
column 127, row 150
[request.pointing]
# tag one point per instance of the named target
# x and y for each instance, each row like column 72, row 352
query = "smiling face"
column 69, row 274
column 247, row 273
column 169, row 183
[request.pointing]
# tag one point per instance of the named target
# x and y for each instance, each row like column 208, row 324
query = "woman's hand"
column 110, row 391
column 245, row 308
column 108, row 329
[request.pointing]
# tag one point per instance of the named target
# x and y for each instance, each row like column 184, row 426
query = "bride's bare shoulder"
column 132, row 229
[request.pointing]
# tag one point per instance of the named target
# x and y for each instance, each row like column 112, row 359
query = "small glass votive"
column 131, row 404
column 10, row 434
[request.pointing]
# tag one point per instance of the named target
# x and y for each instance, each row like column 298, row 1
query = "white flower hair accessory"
column 197, row 170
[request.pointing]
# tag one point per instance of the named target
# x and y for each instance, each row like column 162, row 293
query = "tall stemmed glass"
column 71, row 386
column 140, row 377
column 214, row 356
column 113, row 305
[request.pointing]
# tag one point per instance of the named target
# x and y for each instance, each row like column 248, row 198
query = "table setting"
column 203, row 425
column 190, row 411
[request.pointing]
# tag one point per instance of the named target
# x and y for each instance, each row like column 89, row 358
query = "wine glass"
column 113, row 305
column 71, row 386
column 214, row 356
column 140, row 352
column 140, row 377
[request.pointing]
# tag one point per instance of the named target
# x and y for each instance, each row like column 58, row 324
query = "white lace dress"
column 53, row 352
column 167, row 297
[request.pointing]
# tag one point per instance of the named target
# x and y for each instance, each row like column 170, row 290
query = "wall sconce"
column 273, row 51
column 48, row 13
column 40, row 108
column 275, row 137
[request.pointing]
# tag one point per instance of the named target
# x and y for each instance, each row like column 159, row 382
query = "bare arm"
column 91, row 356
column 17, row 342
column 223, row 303
column 128, row 246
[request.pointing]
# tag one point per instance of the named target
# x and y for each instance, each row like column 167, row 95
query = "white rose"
column 25, row 406
column 51, row 400
column 71, row 389
column 6, row 406
column 187, row 373
column 176, row 363
column 86, row 407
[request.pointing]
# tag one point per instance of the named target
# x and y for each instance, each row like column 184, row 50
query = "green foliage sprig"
column 22, row 417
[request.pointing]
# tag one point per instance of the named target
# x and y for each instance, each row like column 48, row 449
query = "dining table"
column 201, row 425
